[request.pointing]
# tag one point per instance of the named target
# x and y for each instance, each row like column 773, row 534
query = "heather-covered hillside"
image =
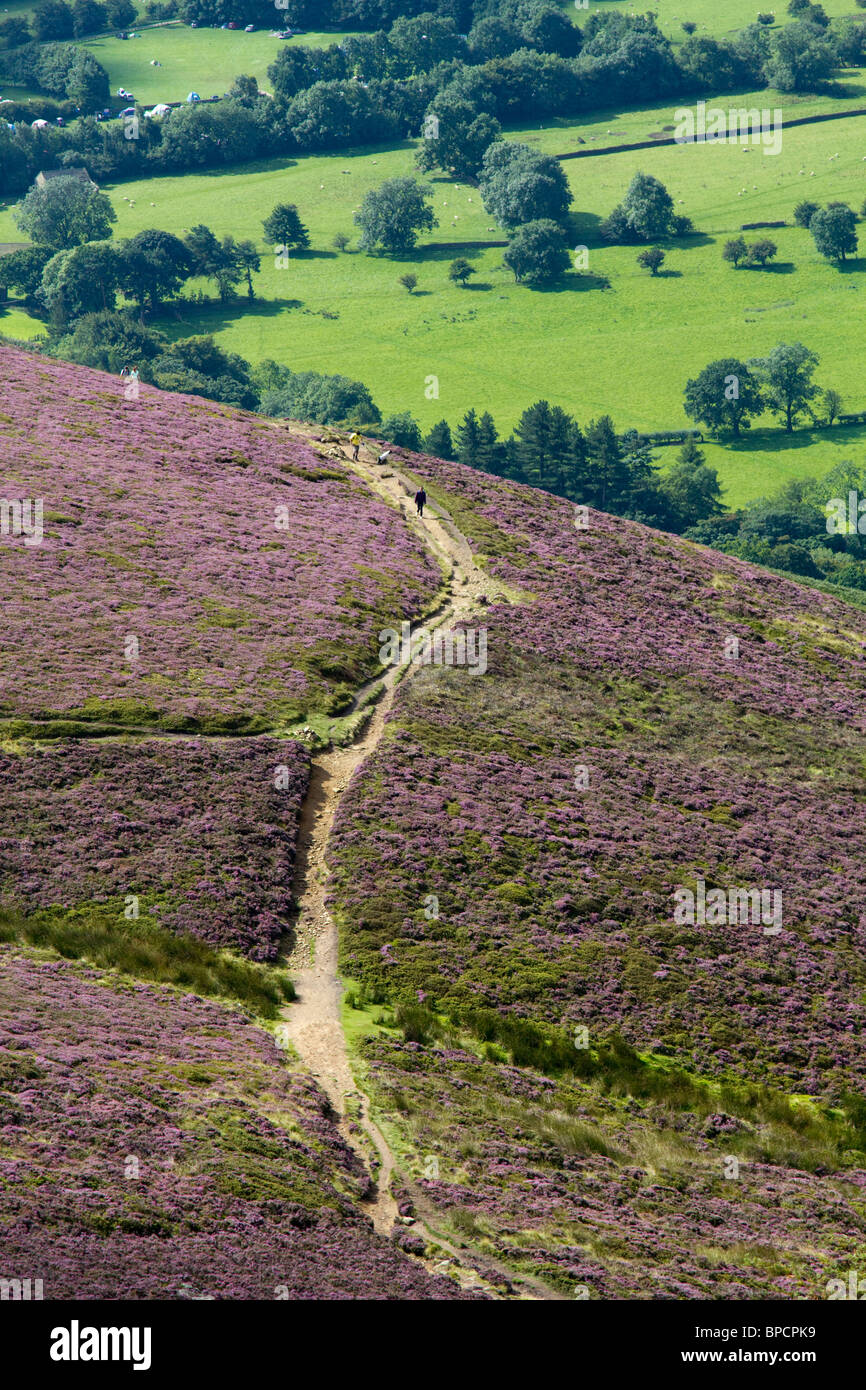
column 579, row 1085
column 195, row 836
column 620, row 747
column 156, row 1146
column 199, row 570
column 617, row 1099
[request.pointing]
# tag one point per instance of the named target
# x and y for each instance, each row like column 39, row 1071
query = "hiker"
column 420, row 499
column 355, row 441
column 124, row 371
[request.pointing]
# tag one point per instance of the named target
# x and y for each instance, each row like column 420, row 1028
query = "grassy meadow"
column 198, row 60
column 610, row 340
column 712, row 19
column 193, row 60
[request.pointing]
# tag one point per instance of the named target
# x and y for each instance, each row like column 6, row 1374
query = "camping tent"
column 193, row 96
column 39, row 125
column 161, row 109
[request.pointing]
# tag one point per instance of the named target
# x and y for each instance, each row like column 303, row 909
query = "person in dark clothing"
column 420, row 499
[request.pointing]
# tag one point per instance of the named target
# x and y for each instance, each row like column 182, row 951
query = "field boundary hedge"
column 672, row 140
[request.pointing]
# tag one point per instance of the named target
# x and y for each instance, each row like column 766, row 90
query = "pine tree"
column 691, row 455
column 642, row 498
column 533, row 442
column 439, row 442
column 692, row 490
column 609, row 476
column 489, row 451
column 512, row 463
column 558, row 451
column 577, row 469
column 283, row 227
column 467, row 440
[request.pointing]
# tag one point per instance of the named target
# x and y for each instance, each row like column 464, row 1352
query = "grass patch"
column 146, row 951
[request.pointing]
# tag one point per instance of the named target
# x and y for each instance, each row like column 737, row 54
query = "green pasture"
column 193, row 60
column 611, row 340
column 15, row 323
column 713, row 19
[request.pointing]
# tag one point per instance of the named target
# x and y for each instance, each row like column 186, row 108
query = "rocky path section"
column 312, row 1024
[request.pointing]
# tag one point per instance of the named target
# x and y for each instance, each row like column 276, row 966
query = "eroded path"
column 312, row 1023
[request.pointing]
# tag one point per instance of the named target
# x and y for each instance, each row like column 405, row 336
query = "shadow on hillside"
column 588, row 281
column 434, row 251
column 773, row 268
column 768, row 440
column 841, row 89
column 255, row 166
column 312, row 254
column 668, row 275
column 855, row 266
column 573, row 283
column 687, row 243
column 188, row 317
column 583, row 229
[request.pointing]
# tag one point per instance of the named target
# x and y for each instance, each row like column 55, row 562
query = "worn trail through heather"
column 312, row 1023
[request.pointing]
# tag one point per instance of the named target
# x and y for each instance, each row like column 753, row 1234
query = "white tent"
column 39, row 125
column 193, row 96
column 161, row 109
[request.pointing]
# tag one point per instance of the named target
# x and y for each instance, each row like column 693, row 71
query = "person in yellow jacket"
column 355, row 441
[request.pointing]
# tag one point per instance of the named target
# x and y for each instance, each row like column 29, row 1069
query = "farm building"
column 46, row 175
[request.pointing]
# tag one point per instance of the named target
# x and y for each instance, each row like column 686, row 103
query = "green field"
column 199, row 60
column 611, row 340
column 627, row 350
column 711, row 17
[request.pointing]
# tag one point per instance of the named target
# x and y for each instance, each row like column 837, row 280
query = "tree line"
column 594, row 466
column 729, row 393
column 56, row 20
column 514, row 64
column 796, row 529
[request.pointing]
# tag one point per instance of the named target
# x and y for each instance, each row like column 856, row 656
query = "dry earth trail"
column 312, row 1024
